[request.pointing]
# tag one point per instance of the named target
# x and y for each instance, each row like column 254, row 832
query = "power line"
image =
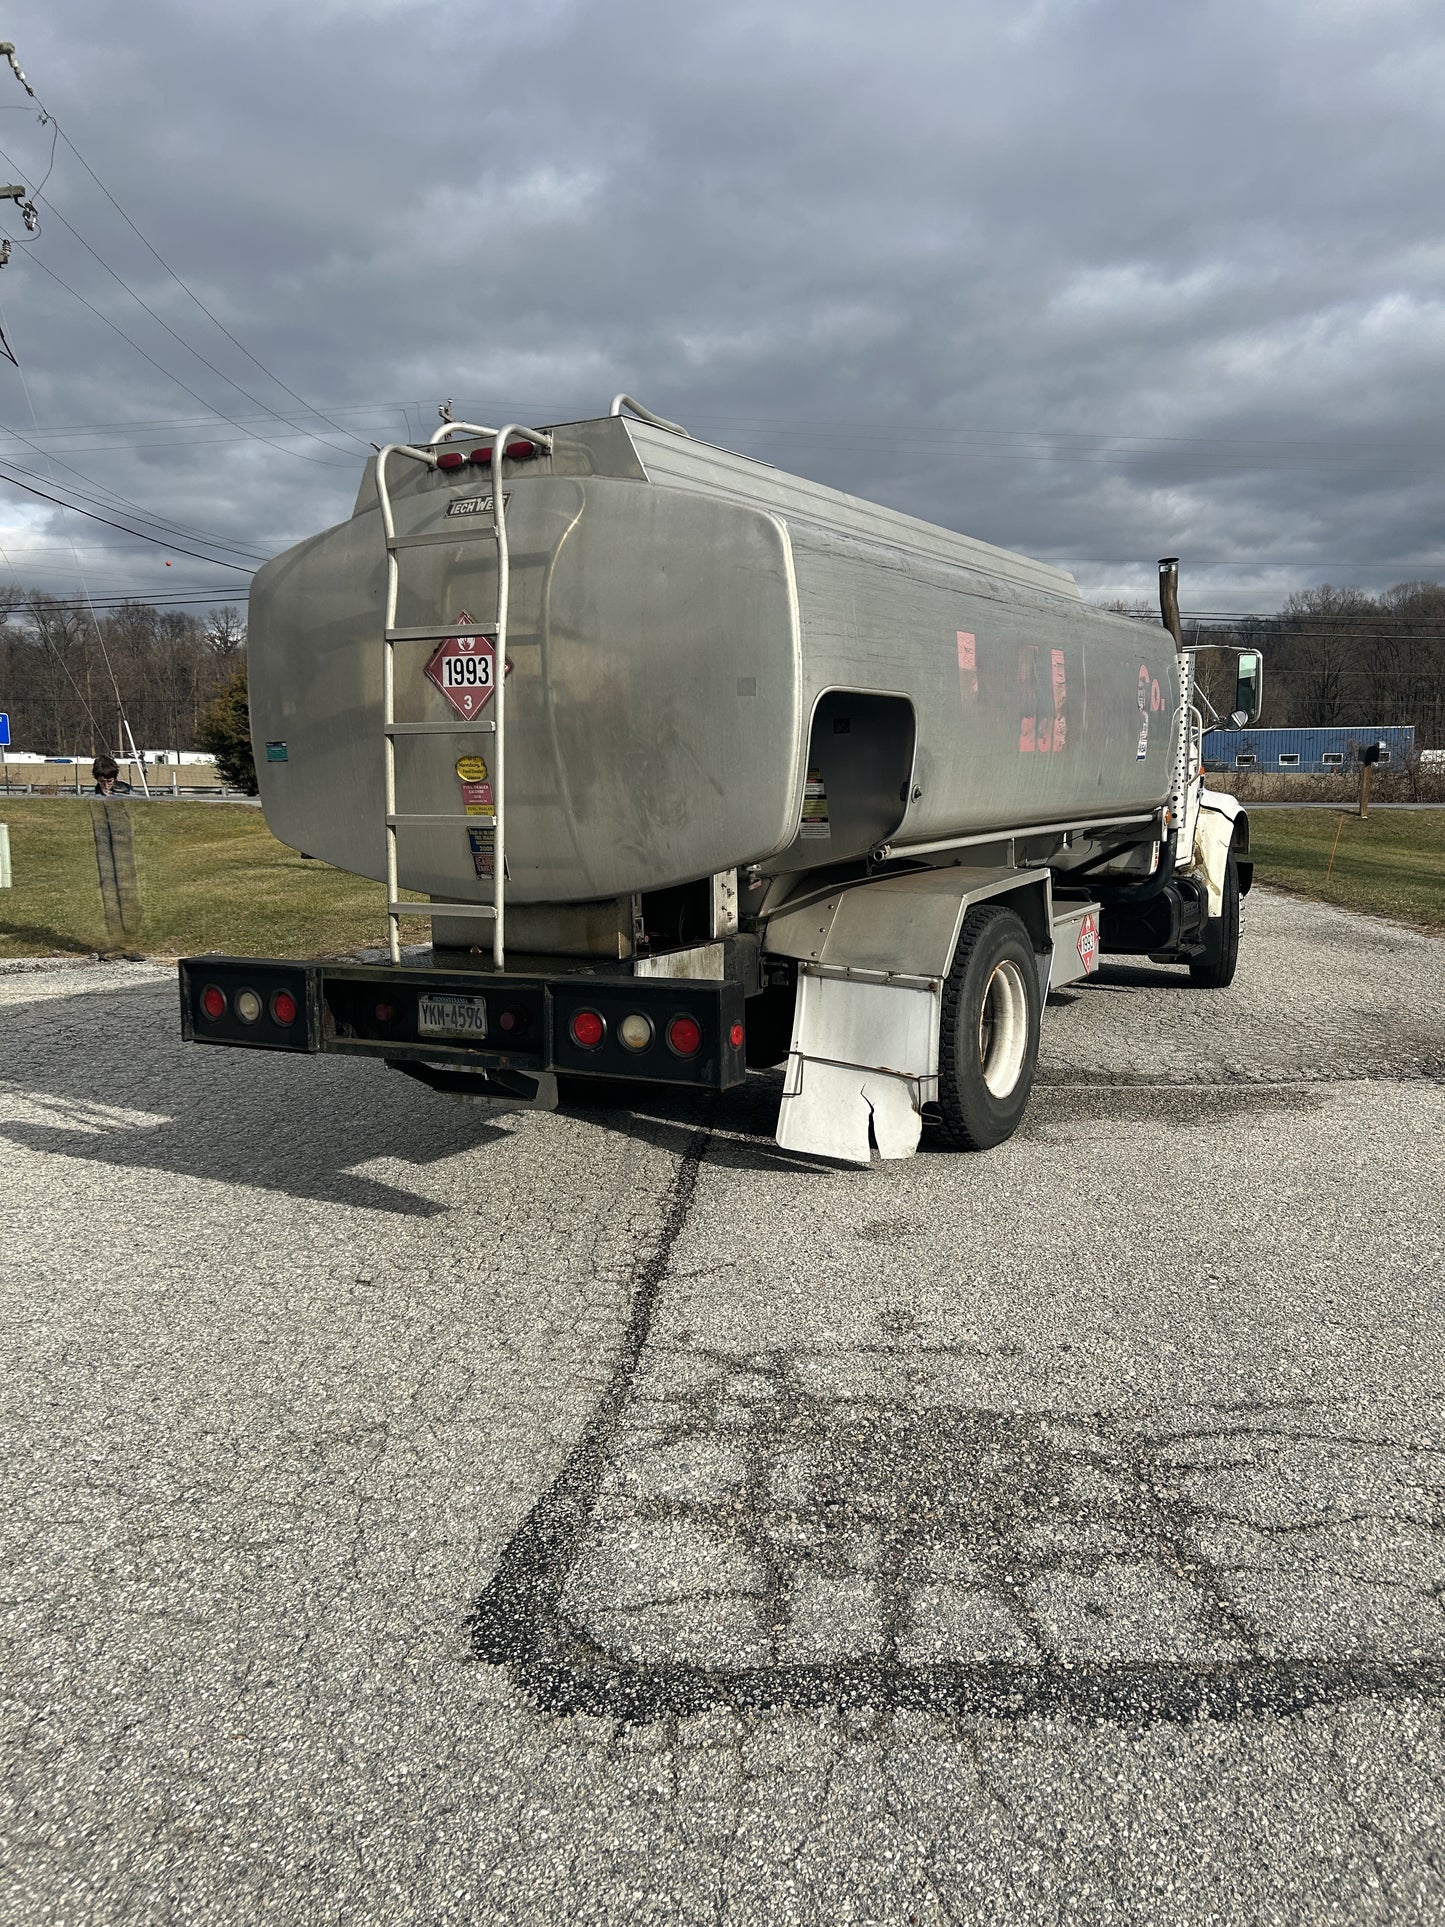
column 35, row 261
column 190, row 292
column 162, row 323
column 75, row 509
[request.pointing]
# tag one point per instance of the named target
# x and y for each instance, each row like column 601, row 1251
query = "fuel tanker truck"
column 695, row 766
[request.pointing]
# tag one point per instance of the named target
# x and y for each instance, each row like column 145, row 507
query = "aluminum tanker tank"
column 711, row 664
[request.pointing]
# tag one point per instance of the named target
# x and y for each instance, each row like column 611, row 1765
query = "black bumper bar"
column 691, row 1032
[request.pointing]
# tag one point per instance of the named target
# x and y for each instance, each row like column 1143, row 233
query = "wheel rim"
column 1003, row 1029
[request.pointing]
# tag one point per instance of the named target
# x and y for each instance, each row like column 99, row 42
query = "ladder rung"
column 445, row 535
column 484, row 820
column 441, row 909
column 458, row 728
column 433, row 634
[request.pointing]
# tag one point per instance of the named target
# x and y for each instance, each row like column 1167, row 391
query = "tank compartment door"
column 860, row 768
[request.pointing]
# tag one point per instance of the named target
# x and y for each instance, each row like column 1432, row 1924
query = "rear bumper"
column 465, row 1020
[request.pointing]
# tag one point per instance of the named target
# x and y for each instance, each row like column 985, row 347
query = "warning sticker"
column 1146, row 682
column 1088, row 944
column 471, row 769
column 477, row 799
column 484, row 851
column 464, row 670
column 815, row 806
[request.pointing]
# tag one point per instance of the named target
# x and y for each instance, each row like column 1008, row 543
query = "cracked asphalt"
column 414, row 1512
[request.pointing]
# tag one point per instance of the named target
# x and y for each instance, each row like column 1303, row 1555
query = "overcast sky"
column 1098, row 280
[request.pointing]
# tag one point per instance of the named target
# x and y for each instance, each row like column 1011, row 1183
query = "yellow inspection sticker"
column 471, row 769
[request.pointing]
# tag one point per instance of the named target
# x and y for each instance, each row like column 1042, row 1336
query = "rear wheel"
column 1214, row 969
column 988, row 1044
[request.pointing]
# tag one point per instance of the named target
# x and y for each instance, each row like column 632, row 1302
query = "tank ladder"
column 493, row 725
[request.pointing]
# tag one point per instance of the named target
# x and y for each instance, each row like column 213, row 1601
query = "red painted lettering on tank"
column 1061, row 695
column 967, row 668
column 1030, row 731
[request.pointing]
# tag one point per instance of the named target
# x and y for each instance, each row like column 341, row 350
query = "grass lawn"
column 1391, row 865
column 211, row 875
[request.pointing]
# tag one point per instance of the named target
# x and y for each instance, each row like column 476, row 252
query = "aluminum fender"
column 873, row 959
column 1216, row 826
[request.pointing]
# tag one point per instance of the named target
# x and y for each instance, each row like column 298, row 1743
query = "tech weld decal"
column 815, row 806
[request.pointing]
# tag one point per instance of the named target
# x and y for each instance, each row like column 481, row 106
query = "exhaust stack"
column 1169, row 597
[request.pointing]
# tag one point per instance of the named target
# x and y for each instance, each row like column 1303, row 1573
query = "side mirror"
column 1248, row 689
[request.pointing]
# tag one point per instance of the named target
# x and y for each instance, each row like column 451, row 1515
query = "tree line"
column 65, row 673
column 1337, row 657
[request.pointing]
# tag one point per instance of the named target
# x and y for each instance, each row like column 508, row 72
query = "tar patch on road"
column 782, row 1531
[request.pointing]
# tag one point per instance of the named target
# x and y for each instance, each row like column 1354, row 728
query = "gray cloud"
column 1095, row 279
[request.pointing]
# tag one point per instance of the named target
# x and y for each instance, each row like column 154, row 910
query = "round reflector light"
column 283, row 1007
column 248, row 1006
column 385, row 1013
column 735, row 1036
column 684, row 1036
column 213, row 1001
column 635, row 1031
column 587, row 1029
column 512, row 1020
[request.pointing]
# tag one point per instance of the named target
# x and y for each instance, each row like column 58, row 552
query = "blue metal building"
column 1304, row 752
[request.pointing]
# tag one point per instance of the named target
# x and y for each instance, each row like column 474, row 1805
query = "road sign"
column 464, row 670
column 4, row 730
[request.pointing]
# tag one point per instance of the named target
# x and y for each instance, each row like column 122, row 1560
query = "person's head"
column 105, row 770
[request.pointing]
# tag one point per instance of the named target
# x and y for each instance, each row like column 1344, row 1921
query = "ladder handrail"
column 499, row 689
column 619, row 402
column 458, row 428
column 388, row 675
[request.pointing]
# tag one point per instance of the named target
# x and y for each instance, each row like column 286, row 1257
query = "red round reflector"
column 283, row 1007
column 385, row 1013
column 587, row 1029
column 213, row 1001
column 450, row 458
column 512, row 1020
column 684, row 1036
column 735, row 1036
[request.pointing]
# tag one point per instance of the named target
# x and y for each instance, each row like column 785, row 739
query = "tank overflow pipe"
column 499, row 687
column 619, row 402
column 1169, row 596
column 448, row 429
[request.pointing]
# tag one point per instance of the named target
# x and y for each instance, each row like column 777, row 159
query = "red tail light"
column 213, row 1002
column 283, row 1007
column 684, row 1036
column 514, row 452
column 735, row 1036
column 450, row 458
column 587, row 1029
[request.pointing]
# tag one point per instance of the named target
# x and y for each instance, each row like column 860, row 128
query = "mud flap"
column 863, row 1063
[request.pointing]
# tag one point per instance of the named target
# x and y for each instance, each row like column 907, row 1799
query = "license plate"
column 452, row 1016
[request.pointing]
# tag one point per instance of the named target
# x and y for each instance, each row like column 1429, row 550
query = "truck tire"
column 988, row 1043
column 1214, row 968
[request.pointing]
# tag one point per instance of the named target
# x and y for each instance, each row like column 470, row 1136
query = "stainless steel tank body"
column 712, row 664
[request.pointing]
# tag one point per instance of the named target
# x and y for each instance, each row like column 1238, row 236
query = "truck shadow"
column 133, row 1096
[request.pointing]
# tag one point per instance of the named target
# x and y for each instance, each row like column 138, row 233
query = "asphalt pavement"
column 415, row 1512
